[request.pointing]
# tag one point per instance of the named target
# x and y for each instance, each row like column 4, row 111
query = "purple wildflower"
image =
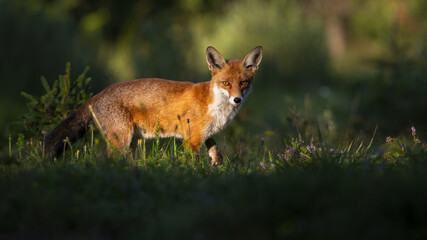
column 341, row 151
column 290, row 151
column 414, row 131
column 403, row 147
column 331, row 150
column 272, row 165
column 311, row 148
column 262, row 164
column 414, row 135
column 320, row 149
column 287, row 155
column 390, row 140
column 283, row 157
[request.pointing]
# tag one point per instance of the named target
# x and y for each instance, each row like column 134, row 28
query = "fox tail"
column 73, row 128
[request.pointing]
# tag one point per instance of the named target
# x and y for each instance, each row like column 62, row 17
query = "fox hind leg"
column 119, row 140
column 119, row 135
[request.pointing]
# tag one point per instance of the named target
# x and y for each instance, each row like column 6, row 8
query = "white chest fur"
column 221, row 110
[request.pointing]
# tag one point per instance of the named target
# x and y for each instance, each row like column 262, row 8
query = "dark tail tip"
column 71, row 128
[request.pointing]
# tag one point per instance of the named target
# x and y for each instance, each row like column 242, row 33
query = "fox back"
column 151, row 106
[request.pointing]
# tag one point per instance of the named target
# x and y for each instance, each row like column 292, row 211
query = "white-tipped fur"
column 162, row 135
column 222, row 111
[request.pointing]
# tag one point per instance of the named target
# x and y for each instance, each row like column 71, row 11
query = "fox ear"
column 215, row 60
column 253, row 59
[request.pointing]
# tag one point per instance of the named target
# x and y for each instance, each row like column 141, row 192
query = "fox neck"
column 221, row 110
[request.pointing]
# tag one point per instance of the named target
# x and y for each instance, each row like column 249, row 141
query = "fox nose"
column 237, row 100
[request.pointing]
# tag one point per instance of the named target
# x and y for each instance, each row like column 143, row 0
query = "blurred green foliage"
column 343, row 65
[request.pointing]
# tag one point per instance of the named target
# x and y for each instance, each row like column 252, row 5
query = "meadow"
column 308, row 188
column 330, row 144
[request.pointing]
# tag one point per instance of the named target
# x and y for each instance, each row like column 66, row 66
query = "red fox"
column 191, row 111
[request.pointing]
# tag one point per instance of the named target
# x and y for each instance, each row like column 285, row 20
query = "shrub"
column 60, row 100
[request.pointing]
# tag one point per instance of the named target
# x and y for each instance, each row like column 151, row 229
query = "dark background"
column 343, row 66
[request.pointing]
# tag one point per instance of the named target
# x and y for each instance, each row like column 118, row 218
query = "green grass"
column 367, row 191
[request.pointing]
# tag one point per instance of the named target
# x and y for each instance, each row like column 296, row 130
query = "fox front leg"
column 213, row 151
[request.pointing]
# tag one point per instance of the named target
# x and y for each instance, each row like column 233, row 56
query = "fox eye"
column 243, row 82
column 225, row 83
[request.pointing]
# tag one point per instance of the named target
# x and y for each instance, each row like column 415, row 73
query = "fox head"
column 233, row 79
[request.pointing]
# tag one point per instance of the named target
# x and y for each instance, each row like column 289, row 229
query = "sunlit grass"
column 300, row 191
column 250, row 157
